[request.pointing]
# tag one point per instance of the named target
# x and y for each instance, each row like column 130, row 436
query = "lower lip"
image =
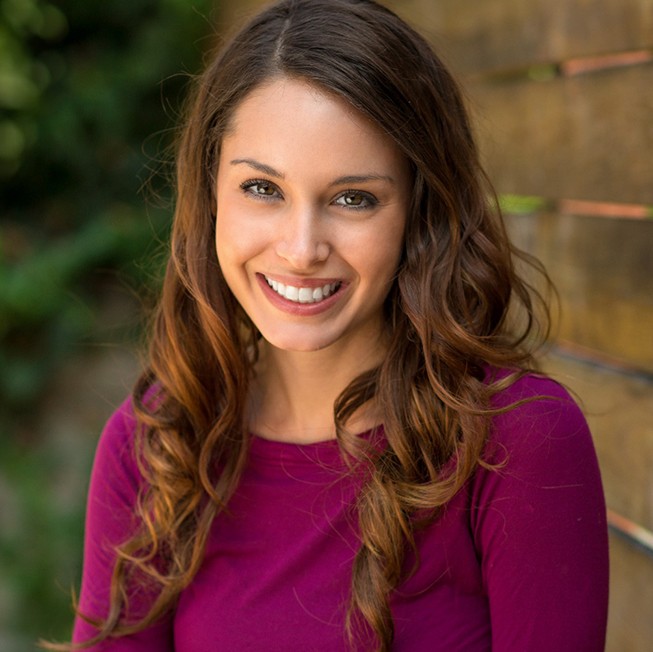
column 296, row 308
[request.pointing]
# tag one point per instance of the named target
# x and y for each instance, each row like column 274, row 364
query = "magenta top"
column 518, row 561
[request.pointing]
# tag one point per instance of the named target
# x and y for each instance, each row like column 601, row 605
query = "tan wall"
column 548, row 130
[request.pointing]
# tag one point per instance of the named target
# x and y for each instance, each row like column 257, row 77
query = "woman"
column 339, row 442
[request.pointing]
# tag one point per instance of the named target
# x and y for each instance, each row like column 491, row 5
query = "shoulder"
column 540, row 472
column 539, row 441
column 537, row 418
column 532, row 389
column 539, row 485
column 115, row 469
column 118, row 434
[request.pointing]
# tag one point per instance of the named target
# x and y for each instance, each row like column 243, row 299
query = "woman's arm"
column 115, row 482
column 539, row 524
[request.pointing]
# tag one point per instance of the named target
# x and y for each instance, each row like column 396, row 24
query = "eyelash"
column 368, row 200
column 247, row 186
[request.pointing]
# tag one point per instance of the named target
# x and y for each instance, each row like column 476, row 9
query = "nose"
column 302, row 242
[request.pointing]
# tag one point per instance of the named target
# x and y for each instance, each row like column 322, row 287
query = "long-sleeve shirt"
column 516, row 562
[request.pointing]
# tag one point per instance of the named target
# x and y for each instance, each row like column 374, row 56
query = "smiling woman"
column 310, row 250
column 340, row 442
column 328, row 226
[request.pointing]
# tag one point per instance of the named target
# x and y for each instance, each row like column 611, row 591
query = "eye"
column 356, row 200
column 260, row 189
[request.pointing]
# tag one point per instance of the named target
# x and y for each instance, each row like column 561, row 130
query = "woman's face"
column 311, row 211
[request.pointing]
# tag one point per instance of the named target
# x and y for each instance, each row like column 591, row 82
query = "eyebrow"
column 261, row 167
column 352, row 179
column 348, row 179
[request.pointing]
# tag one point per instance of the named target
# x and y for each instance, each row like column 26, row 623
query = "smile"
column 303, row 294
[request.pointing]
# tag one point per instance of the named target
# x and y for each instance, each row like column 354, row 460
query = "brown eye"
column 356, row 200
column 260, row 188
column 263, row 189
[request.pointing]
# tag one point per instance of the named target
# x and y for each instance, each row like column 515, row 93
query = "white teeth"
column 302, row 294
column 305, row 295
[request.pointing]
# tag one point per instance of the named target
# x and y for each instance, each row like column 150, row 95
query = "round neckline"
column 326, row 451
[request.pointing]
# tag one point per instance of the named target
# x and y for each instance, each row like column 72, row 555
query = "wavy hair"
column 457, row 308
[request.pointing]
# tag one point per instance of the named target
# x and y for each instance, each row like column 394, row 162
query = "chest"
column 278, row 568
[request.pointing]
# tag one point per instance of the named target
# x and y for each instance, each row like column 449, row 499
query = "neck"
column 294, row 393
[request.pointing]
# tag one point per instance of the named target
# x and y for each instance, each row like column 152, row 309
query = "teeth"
column 303, row 295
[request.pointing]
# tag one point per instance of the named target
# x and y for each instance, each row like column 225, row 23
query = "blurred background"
column 89, row 94
column 562, row 95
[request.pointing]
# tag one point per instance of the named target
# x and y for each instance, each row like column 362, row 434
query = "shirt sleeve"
column 539, row 525
column 114, row 487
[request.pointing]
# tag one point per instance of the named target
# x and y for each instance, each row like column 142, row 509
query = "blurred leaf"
column 89, row 93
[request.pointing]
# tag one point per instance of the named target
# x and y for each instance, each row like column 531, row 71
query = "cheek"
column 385, row 249
column 228, row 248
column 238, row 238
column 222, row 247
column 229, row 233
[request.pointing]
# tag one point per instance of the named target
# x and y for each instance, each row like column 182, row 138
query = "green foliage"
column 521, row 204
column 40, row 539
column 89, row 93
column 46, row 297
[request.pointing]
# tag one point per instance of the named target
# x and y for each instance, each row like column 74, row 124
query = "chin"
column 296, row 343
column 295, row 346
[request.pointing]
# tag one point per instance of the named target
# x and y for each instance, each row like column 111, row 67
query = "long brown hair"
column 449, row 312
